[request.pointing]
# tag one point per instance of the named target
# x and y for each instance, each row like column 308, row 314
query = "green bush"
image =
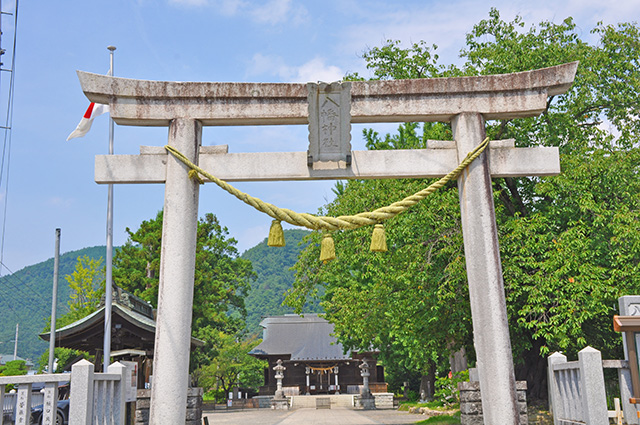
column 447, row 388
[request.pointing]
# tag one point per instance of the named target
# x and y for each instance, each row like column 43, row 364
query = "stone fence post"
column 594, row 400
column 119, row 396
column 81, row 408
column 555, row 400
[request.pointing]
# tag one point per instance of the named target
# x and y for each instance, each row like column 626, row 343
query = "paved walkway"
column 334, row 416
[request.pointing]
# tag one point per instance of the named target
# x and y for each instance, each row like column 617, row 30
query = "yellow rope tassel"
column 276, row 235
column 327, row 249
column 193, row 175
column 378, row 239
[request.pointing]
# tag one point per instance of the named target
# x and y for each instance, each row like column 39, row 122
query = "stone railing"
column 18, row 406
column 577, row 390
column 96, row 397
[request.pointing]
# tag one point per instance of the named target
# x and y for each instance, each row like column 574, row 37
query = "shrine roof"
column 308, row 337
column 88, row 333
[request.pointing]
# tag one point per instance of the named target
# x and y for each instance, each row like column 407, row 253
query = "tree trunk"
column 534, row 370
column 427, row 383
column 458, row 361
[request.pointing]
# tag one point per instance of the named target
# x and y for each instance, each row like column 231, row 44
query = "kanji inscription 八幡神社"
column 466, row 102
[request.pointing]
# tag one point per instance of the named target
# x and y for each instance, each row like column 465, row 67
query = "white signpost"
column 466, row 102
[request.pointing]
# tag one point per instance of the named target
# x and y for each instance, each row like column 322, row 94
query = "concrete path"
column 307, row 416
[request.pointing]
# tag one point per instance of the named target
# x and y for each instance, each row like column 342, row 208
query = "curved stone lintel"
column 155, row 103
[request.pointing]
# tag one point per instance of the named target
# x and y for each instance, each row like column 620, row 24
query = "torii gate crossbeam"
column 466, row 102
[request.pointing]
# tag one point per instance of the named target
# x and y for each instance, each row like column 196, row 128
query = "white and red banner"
column 94, row 110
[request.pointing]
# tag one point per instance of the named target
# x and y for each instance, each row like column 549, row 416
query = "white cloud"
column 279, row 11
column 315, row 69
column 445, row 23
column 272, row 12
column 231, row 7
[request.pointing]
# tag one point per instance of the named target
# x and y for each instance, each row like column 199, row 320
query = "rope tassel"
column 327, row 249
column 378, row 239
column 276, row 235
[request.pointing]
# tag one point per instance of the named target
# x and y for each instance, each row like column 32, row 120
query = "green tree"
column 569, row 244
column 231, row 365
column 86, row 284
column 87, row 288
column 64, row 358
column 221, row 278
column 13, row 368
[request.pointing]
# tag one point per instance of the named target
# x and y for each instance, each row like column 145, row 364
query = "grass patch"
column 433, row 405
column 442, row 420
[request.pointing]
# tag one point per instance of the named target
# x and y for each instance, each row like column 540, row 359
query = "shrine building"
column 316, row 363
column 133, row 329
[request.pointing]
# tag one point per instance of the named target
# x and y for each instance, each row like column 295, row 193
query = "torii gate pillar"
column 177, row 268
column 484, row 274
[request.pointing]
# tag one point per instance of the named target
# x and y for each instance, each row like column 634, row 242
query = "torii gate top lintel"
column 155, row 103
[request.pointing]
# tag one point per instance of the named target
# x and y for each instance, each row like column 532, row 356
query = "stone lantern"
column 364, row 372
column 279, row 377
column 366, row 399
column 279, row 401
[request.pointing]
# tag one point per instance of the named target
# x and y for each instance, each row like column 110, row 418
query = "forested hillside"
column 25, row 298
column 275, row 277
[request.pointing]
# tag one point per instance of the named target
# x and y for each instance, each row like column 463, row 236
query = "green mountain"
column 275, row 277
column 25, row 298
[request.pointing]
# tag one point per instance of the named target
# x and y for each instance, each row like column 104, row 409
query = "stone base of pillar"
column 365, row 402
column 194, row 407
column 471, row 403
column 280, row 404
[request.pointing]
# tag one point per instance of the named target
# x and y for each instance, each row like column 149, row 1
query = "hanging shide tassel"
column 276, row 235
column 327, row 248
column 193, row 175
column 378, row 239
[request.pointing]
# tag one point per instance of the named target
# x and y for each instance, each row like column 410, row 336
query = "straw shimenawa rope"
column 314, row 222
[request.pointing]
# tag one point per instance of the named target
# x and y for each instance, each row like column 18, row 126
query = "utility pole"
column 15, row 345
column 54, row 303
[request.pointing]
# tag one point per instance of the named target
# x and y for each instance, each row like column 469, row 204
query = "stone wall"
column 384, row 400
column 471, row 403
column 194, row 407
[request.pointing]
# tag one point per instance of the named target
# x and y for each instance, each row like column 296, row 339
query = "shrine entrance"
column 329, row 109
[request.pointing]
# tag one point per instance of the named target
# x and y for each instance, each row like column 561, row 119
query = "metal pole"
column 109, row 256
column 54, row 303
column 15, row 345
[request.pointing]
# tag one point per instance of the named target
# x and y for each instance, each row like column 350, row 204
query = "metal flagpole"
column 109, row 256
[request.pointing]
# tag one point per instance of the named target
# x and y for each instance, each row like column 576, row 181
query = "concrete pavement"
column 309, row 416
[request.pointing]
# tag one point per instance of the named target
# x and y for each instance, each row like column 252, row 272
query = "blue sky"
column 50, row 181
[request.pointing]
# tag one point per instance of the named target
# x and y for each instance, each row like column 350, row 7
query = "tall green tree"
column 231, row 366
column 569, row 244
column 221, row 280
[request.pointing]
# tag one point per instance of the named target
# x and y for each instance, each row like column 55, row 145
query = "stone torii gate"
column 466, row 102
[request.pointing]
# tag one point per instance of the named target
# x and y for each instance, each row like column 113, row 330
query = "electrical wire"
column 6, row 150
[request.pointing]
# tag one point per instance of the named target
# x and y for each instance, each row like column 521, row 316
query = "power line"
column 6, row 150
column 8, row 279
